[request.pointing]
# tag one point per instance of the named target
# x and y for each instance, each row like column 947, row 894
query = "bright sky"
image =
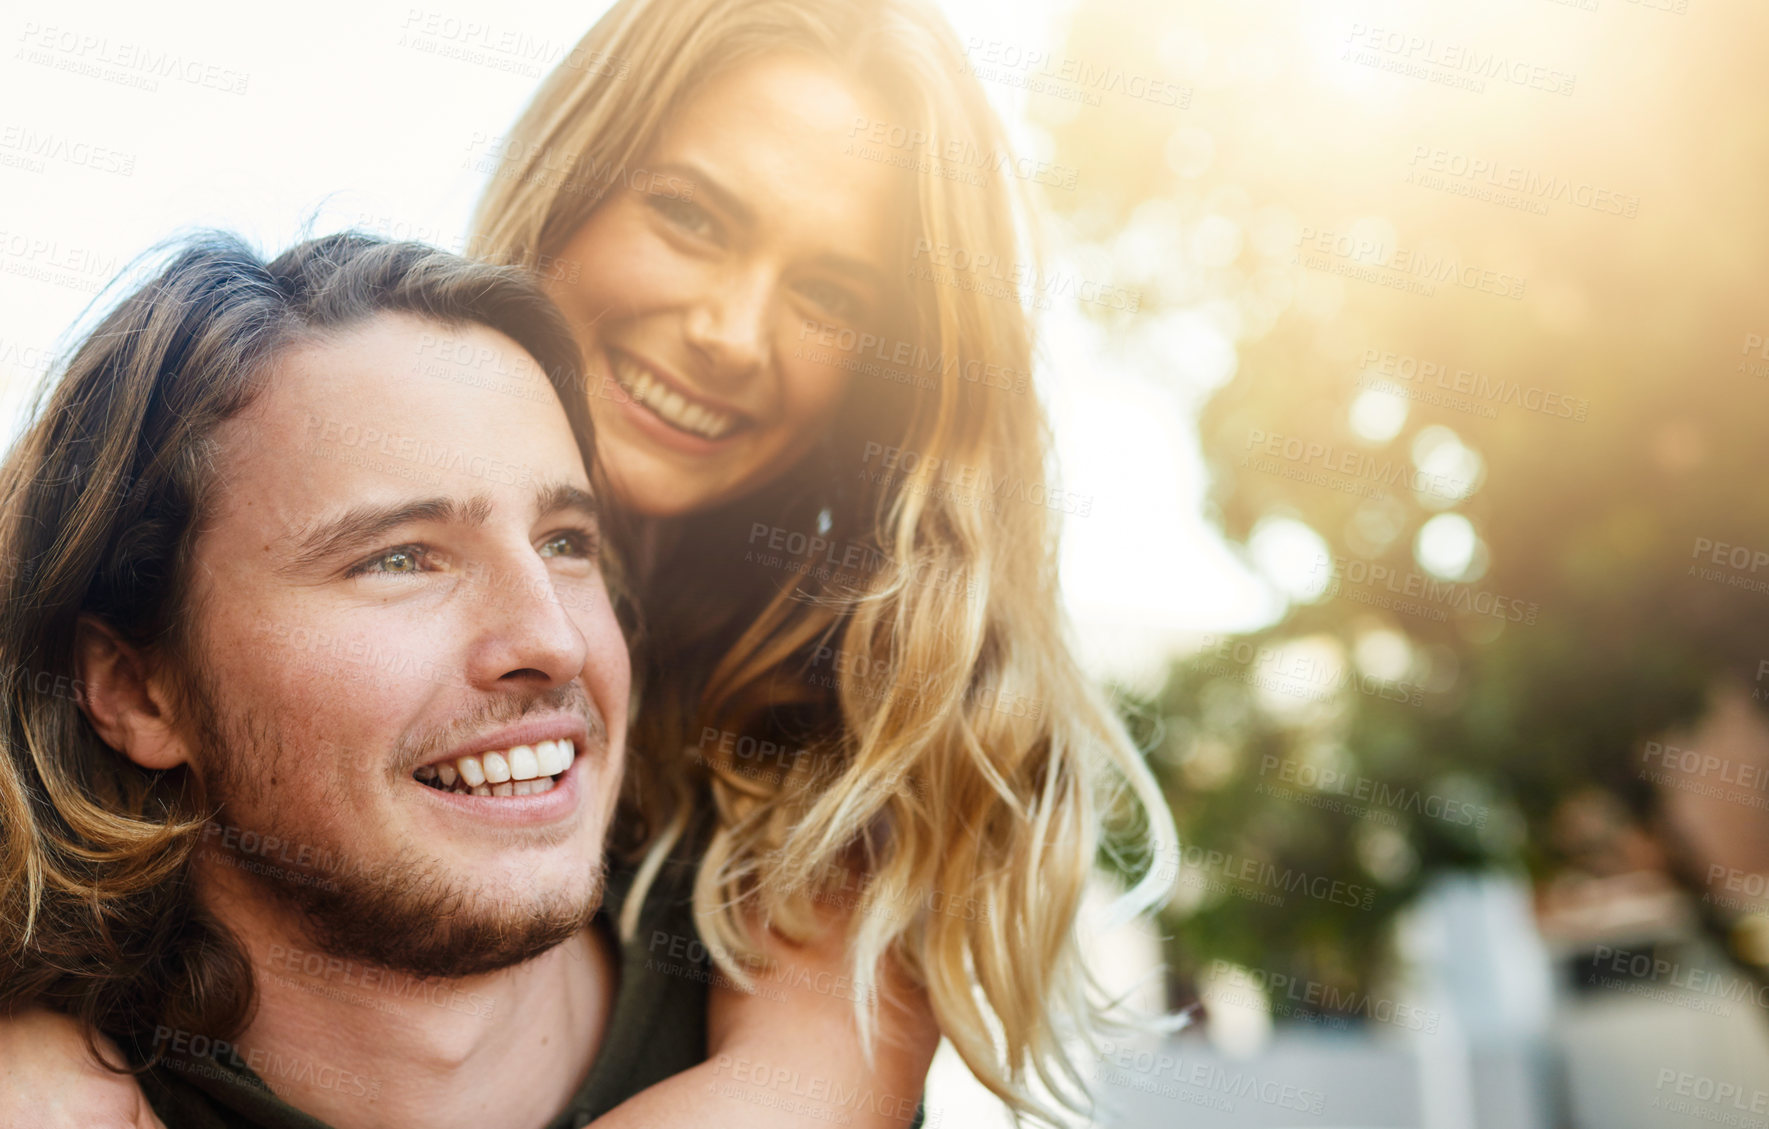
column 354, row 114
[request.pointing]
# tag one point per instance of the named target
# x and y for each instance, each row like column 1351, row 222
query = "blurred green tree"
column 1495, row 516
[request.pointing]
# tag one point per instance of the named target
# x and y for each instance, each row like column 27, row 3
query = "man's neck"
column 363, row 1047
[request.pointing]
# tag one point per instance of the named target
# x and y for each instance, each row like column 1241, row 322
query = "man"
column 302, row 566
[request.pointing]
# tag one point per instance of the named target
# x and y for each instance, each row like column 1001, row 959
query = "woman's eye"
column 687, row 215
column 405, row 559
column 569, row 543
column 838, row 301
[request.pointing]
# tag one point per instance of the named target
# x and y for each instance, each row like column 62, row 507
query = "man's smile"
column 519, row 771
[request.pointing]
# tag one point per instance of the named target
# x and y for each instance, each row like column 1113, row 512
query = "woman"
column 835, row 466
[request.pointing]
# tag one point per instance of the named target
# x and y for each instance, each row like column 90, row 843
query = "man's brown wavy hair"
column 100, row 503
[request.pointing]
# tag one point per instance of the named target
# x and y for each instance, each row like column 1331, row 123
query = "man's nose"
column 729, row 326
column 526, row 633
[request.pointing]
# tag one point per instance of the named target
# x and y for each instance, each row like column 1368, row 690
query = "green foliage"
column 1591, row 524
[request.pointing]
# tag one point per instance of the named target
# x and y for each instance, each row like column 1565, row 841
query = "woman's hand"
column 48, row 1079
column 789, row 1054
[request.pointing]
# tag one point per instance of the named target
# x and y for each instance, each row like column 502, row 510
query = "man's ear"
column 129, row 706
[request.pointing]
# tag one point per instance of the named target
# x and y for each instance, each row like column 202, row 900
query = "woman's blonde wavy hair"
column 960, row 759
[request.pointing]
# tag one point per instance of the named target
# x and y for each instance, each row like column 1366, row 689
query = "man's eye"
column 569, row 543
column 404, row 559
column 686, row 215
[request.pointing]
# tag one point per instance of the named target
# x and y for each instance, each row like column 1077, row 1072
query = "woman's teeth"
column 668, row 404
column 525, row 770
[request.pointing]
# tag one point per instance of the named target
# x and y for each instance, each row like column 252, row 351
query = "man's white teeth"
column 497, row 769
column 555, row 756
column 525, row 770
column 666, row 402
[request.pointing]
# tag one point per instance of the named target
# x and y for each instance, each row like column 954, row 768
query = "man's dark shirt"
column 656, row 1029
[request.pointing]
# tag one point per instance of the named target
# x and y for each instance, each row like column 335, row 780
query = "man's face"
column 398, row 572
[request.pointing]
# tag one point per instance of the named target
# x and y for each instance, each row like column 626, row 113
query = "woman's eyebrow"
column 703, row 182
column 727, row 201
column 857, row 269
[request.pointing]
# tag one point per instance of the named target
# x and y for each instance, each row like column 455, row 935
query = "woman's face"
column 701, row 286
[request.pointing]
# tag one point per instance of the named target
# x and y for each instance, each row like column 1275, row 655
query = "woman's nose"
column 728, row 327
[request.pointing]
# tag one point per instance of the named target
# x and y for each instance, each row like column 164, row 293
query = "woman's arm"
column 48, row 1079
column 786, row 1055
column 789, row 1054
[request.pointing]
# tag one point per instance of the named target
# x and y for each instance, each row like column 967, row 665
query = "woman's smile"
column 692, row 422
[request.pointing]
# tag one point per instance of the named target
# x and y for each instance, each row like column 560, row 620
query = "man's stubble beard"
column 406, row 912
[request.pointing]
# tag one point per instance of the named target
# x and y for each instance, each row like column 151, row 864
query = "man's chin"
column 430, row 927
column 426, row 917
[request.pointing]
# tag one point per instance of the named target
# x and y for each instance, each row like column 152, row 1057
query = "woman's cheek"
column 628, row 266
column 813, row 393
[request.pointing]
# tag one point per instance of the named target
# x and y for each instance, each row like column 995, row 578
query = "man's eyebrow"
column 361, row 526
column 551, row 497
